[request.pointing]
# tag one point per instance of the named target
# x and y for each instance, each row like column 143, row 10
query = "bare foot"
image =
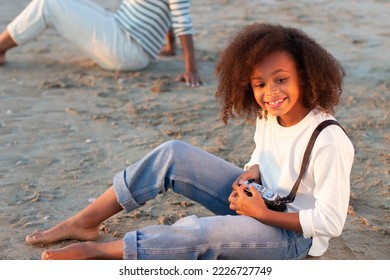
column 6, row 43
column 87, row 251
column 84, row 225
column 67, row 229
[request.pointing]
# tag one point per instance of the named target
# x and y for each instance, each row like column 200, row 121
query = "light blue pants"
column 207, row 179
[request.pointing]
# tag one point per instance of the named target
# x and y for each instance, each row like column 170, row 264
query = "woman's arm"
column 182, row 27
column 170, row 47
column 190, row 76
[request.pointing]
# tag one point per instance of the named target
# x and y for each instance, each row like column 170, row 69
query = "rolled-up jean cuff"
column 123, row 195
column 130, row 246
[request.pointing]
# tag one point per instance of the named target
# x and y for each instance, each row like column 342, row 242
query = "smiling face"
column 277, row 88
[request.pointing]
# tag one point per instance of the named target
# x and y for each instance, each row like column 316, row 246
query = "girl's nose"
column 272, row 90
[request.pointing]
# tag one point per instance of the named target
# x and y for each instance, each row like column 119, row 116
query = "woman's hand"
column 191, row 78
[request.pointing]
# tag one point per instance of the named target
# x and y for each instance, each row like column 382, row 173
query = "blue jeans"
column 207, row 179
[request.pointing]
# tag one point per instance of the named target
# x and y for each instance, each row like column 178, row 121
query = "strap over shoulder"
column 306, row 155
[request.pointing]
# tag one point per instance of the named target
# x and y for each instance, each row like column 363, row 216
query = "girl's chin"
column 275, row 112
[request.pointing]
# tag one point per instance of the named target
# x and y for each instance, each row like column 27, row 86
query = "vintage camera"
column 271, row 198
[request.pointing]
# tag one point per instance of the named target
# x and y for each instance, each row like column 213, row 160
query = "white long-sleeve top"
column 147, row 21
column 323, row 196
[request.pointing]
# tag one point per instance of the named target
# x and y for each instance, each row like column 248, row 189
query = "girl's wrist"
column 263, row 214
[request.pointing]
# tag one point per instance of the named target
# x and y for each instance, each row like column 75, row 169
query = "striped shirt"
column 147, row 21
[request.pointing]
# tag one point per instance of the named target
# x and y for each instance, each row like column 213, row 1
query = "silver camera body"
column 269, row 196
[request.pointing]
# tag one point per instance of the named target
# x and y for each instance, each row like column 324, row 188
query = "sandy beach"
column 67, row 126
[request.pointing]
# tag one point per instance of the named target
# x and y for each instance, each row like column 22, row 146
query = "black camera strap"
column 306, row 155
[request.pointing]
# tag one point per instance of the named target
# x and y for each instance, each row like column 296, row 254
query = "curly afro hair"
column 320, row 72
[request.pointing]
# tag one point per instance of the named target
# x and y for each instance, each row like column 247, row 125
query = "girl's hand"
column 253, row 206
column 252, row 173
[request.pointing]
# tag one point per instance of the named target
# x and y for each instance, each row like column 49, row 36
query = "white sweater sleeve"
column 332, row 167
column 254, row 159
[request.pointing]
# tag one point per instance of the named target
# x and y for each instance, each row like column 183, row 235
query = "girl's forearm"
column 281, row 219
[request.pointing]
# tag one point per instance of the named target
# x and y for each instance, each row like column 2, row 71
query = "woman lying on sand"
column 128, row 39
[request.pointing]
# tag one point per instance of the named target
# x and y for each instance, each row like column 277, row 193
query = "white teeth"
column 275, row 102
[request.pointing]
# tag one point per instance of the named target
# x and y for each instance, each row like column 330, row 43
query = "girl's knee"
column 174, row 149
column 173, row 145
column 49, row 2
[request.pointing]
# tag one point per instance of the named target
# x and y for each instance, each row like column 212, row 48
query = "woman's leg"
column 41, row 14
column 31, row 22
column 91, row 29
column 6, row 43
column 82, row 226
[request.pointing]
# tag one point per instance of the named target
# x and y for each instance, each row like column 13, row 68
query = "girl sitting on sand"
column 290, row 84
column 128, row 39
